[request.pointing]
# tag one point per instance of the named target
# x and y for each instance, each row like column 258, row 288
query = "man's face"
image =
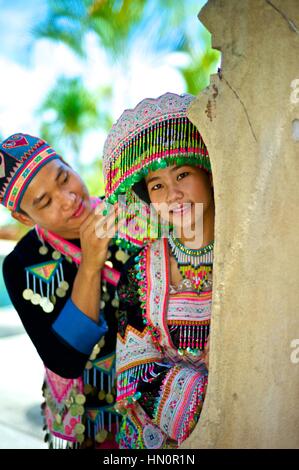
column 57, row 199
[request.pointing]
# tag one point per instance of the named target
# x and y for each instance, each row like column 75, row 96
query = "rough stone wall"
column 245, row 117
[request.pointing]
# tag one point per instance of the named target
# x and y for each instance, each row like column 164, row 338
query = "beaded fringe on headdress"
column 172, row 141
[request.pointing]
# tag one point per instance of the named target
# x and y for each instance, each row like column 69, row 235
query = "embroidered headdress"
column 21, row 157
column 155, row 134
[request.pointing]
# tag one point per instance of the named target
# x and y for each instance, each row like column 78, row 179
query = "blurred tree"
column 93, row 178
column 159, row 26
column 69, row 111
column 206, row 61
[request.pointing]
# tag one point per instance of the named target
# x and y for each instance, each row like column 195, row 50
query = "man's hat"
column 21, row 157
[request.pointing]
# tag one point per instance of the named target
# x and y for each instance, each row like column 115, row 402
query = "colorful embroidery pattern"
column 64, row 406
column 181, row 393
column 135, row 357
column 177, row 406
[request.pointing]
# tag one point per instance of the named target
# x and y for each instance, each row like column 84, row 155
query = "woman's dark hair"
column 140, row 189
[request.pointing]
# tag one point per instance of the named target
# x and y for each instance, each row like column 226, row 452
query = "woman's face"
column 180, row 194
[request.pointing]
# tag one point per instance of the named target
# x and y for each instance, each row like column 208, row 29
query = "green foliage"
column 114, row 23
column 73, row 105
column 157, row 27
column 93, row 178
column 73, row 111
column 201, row 66
column 64, row 24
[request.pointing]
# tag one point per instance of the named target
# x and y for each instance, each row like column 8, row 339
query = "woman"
column 155, row 154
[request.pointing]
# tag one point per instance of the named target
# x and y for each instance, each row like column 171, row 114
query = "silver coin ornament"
column 43, row 250
column 121, row 256
column 64, row 285
column 60, row 292
column 115, row 303
column 27, row 294
column 47, row 306
column 43, row 301
column 35, row 299
column 106, row 297
column 56, row 255
column 46, row 303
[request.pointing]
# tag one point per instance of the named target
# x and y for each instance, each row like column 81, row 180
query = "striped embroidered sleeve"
column 180, row 400
column 136, row 355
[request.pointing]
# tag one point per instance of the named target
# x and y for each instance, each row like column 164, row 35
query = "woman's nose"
column 174, row 194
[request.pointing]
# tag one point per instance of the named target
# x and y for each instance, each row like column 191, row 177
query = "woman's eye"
column 183, row 175
column 157, row 186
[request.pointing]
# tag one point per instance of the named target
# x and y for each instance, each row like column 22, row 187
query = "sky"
column 29, row 69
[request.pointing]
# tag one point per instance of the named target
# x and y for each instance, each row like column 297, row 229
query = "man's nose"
column 67, row 200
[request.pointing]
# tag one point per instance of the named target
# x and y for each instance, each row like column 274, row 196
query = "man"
column 62, row 290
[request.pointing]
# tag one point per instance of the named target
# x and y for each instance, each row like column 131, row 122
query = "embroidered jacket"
column 78, row 354
column 161, row 379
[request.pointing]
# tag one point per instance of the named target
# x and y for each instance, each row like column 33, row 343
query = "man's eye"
column 66, row 177
column 183, row 175
column 47, row 204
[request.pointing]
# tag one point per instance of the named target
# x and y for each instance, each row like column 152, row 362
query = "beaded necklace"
column 194, row 264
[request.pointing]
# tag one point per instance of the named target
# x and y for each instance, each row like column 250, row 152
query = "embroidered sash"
column 157, row 273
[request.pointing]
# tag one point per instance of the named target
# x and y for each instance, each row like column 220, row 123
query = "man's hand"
column 95, row 235
column 86, row 292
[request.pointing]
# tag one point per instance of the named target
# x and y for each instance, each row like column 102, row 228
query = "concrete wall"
column 246, row 119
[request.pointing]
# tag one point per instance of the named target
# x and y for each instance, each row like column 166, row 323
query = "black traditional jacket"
column 78, row 354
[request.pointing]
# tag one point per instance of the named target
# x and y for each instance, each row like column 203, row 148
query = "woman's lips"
column 182, row 209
